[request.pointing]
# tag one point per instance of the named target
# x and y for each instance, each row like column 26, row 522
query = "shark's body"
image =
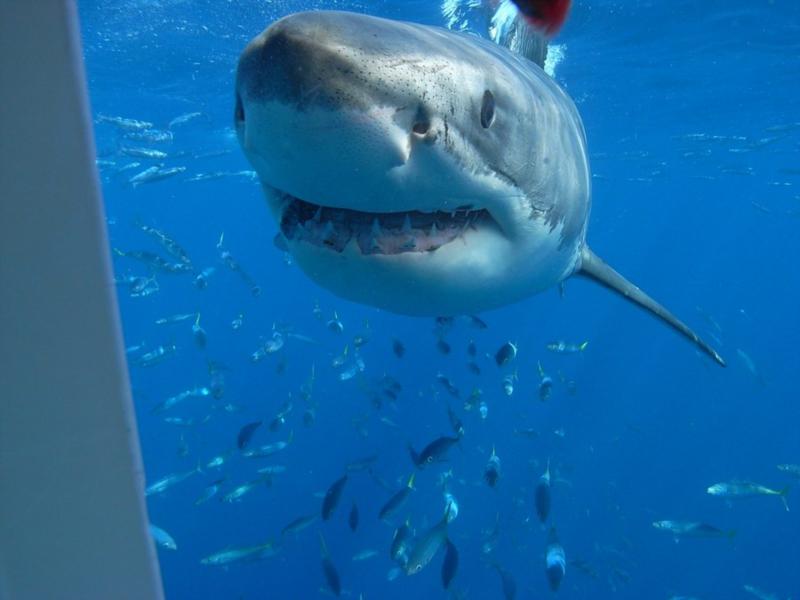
column 416, row 169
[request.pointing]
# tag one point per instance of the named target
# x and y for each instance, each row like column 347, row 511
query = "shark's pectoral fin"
column 595, row 268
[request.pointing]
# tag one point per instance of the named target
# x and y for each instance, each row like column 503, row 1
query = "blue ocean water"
column 692, row 114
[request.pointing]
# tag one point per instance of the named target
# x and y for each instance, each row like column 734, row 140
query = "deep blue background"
column 652, row 423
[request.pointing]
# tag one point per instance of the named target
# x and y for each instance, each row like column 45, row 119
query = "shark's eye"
column 421, row 127
column 422, row 122
column 487, row 109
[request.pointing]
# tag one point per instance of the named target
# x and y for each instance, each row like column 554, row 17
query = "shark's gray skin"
column 416, row 169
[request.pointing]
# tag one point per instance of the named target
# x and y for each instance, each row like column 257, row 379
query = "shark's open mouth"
column 378, row 233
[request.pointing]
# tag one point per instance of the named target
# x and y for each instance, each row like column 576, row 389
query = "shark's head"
column 412, row 168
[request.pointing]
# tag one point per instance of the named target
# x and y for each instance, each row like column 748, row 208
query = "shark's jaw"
column 423, row 263
column 385, row 233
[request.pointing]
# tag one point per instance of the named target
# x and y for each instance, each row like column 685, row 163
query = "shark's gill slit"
column 378, row 233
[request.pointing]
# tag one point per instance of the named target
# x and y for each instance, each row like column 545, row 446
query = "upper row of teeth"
column 376, row 228
column 328, row 234
column 406, row 227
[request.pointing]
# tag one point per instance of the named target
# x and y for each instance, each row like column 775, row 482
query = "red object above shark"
column 546, row 15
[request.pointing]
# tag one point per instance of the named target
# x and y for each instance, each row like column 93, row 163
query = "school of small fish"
column 412, row 541
column 411, row 545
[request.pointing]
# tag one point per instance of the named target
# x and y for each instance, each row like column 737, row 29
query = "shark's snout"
column 345, row 90
column 332, row 61
column 285, row 64
column 306, row 61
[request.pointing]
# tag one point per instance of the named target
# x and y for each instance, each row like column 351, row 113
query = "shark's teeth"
column 377, row 233
column 351, row 246
column 406, row 225
column 369, row 245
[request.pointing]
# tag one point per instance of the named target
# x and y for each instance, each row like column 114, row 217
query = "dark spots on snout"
column 289, row 66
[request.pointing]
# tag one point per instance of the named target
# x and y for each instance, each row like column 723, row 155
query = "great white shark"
column 420, row 170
